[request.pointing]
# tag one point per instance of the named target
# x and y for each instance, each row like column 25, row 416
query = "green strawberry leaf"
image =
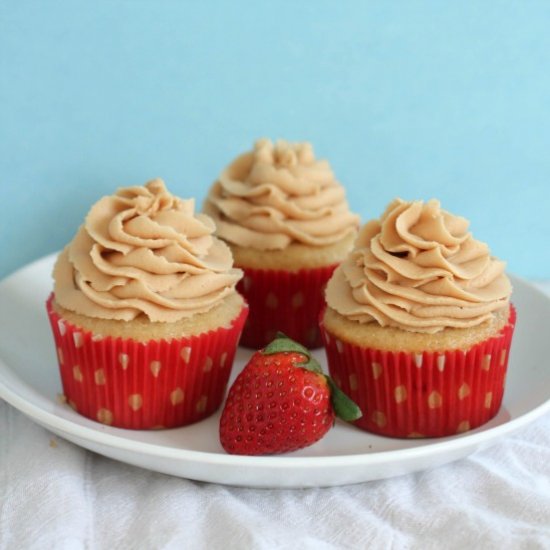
column 343, row 406
column 283, row 344
column 312, row 364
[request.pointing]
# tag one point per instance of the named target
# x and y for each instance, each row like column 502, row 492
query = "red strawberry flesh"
column 275, row 407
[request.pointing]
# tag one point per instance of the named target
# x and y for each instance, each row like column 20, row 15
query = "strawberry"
column 281, row 402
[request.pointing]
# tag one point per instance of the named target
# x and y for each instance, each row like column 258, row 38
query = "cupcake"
column 287, row 222
column 144, row 312
column 418, row 324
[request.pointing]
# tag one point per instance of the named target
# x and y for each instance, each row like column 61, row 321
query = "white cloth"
column 54, row 494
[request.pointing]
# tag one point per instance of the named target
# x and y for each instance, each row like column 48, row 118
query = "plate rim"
column 432, row 447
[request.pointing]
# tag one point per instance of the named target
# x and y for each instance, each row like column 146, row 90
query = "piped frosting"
column 144, row 251
column 419, row 269
column 279, row 194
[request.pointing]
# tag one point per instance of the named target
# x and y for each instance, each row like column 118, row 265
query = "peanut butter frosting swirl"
column 280, row 194
column 419, row 269
column 144, row 251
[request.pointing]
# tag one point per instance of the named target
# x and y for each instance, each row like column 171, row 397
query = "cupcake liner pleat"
column 429, row 394
column 144, row 385
column 283, row 301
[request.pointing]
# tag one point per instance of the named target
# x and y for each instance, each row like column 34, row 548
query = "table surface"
column 54, row 494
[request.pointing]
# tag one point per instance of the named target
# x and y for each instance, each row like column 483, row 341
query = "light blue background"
column 414, row 99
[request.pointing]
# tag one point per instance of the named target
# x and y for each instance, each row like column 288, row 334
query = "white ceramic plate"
column 29, row 381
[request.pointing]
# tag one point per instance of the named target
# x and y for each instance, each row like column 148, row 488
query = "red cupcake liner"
column 429, row 394
column 144, row 385
column 286, row 301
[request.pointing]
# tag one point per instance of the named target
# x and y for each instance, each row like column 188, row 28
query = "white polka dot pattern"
column 379, row 418
column 155, row 367
column 78, row 339
column 201, row 404
column 138, row 385
column 435, row 400
column 176, row 397
column 135, row 401
column 105, row 416
column 185, row 354
column 208, row 363
column 124, row 360
column 432, row 394
column 99, row 377
column 400, row 394
column 464, row 426
column 77, row 373
column 463, row 391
